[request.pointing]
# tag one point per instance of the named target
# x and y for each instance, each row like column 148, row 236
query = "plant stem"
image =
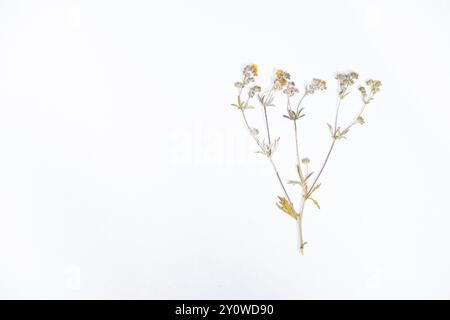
column 300, row 172
column 249, row 129
column 321, row 169
column 267, row 120
column 329, row 150
column 334, row 140
column 270, row 158
column 279, row 180
column 356, row 117
column 300, row 102
column 301, row 243
column 297, row 147
column 337, row 114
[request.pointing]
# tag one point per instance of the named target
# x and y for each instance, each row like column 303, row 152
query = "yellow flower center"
column 279, row 73
column 254, row 69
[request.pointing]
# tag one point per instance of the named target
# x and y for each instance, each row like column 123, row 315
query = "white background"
column 125, row 172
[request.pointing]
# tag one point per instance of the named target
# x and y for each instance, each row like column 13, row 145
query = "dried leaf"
column 254, row 131
column 315, row 202
column 285, row 206
column 360, row 120
column 241, row 104
column 344, row 95
column 341, row 135
column 317, row 186
column 274, row 146
column 292, row 115
column 266, row 102
column 269, row 102
column 331, row 129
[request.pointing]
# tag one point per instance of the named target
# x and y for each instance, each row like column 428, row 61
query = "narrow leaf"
column 309, row 175
column 285, row 206
column 315, row 202
column 331, row 129
column 317, row 186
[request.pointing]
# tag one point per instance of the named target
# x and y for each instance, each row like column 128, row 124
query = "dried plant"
column 307, row 181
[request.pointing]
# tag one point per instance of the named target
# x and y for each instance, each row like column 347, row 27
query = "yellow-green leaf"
column 315, row 202
column 285, row 206
column 317, row 186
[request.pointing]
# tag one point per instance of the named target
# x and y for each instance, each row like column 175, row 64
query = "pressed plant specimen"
column 308, row 182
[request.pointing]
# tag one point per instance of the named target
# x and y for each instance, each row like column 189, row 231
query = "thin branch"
column 329, row 150
column 280, row 181
column 300, row 225
column 250, row 129
column 297, row 147
column 337, row 114
column 300, row 172
column 356, row 117
column 334, row 140
column 267, row 124
column 266, row 118
column 301, row 99
column 321, row 169
column 270, row 158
